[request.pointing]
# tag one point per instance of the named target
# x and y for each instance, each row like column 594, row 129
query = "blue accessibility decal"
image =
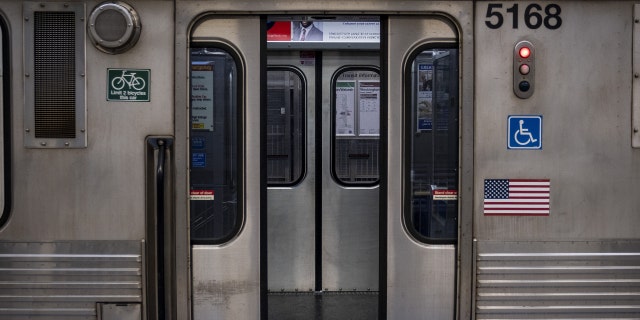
column 524, row 132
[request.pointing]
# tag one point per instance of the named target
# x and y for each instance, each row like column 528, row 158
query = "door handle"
column 158, row 237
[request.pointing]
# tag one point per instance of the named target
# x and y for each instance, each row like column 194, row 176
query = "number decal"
column 533, row 16
column 552, row 20
column 497, row 14
column 514, row 13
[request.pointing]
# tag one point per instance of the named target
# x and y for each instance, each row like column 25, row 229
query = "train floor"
column 323, row 305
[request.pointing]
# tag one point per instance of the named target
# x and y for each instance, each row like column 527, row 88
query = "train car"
column 285, row 159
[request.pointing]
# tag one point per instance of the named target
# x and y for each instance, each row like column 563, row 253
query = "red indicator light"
column 524, row 52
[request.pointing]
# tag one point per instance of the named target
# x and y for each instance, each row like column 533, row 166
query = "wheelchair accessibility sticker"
column 525, row 132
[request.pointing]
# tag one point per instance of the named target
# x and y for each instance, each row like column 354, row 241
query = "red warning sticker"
column 201, row 195
column 445, row 194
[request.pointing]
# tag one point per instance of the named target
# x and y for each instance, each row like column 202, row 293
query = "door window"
column 285, row 126
column 356, row 123
column 214, row 145
column 432, row 134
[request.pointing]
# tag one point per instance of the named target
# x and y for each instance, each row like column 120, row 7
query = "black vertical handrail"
column 160, row 228
column 157, row 219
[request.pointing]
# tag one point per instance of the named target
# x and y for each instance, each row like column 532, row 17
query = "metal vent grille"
column 54, row 60
column 68, row 279
column 557, row 280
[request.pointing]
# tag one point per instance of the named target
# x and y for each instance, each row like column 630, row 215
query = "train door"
column 224, row 167
column 322, row 138
column 422, row 184
column 322, row 251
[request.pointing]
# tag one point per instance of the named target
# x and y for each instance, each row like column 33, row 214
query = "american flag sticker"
column 516, row 197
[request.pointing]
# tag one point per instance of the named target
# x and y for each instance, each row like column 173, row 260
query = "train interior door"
column 323, row 139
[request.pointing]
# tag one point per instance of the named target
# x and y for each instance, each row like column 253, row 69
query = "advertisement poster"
column 202, row 96
column 352, row 31
column 324, row 31
column 369, row 108
column 425, row 97
column 345, row 107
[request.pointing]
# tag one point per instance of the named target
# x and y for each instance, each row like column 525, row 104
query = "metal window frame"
column 237, row 94
column 408, row 86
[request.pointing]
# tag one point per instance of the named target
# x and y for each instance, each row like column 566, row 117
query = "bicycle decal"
column 524, row 132
column 128, row 85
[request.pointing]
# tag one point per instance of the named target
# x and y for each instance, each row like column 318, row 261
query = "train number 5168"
column 534, row 17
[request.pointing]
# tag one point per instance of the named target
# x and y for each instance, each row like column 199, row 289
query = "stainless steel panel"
column 420, row 277
column 58, row 280
column 350, row 215
column 291, row 210
column 558, row 280
column 226, row 278
column 583, row 91
column 95, row 193
column 119, row 311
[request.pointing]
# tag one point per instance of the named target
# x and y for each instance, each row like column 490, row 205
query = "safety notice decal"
column 201, row 195
column 130, row 85
column 445, row 194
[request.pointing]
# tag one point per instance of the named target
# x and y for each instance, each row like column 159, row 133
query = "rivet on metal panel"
column 43, row 143
column 66, row 144
column 636, row 75
column 27, row 130
column 635, row 130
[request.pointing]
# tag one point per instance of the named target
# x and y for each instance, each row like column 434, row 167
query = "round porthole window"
column 114, row 27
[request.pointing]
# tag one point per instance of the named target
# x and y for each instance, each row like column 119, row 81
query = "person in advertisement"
column 306, row 31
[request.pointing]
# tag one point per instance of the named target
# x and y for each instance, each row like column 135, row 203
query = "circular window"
column 114, row 27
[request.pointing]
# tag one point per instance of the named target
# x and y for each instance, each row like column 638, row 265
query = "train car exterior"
column 319, row 160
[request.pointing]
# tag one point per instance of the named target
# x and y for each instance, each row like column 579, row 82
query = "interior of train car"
column 322, row 143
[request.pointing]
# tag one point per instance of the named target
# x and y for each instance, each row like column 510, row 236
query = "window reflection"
column 214, row 176
column 432, row 139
